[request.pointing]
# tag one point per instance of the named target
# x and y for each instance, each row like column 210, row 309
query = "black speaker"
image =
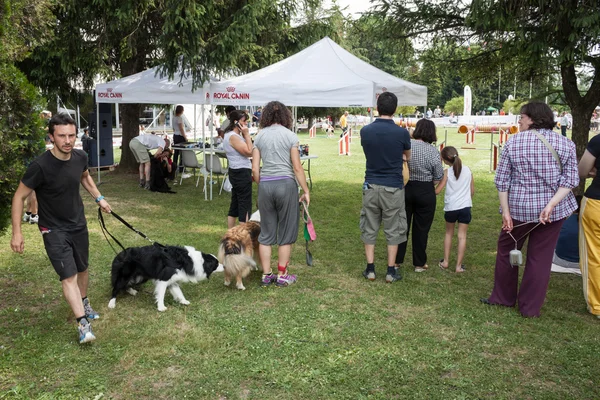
column 106, row 139
column 106, row 153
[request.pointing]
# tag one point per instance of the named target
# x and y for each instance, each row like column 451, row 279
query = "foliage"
column 332, row 335
column 455, row 105
column 513, row 106
column 23, row 26
column 185, row 38
column 534, row 38
column 21, row 134
column 366, row 39
column 441, row 76
column 405, row 110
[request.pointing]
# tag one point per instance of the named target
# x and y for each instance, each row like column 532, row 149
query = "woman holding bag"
column 537, row 170
column 238, row 147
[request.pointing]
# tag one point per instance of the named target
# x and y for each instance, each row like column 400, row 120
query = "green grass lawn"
column 331, row 335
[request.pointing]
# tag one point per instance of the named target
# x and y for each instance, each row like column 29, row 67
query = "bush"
column 21, row 133
column 455, row 105
column 513, row 106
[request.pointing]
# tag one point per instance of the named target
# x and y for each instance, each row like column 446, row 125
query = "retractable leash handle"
column 515, row 256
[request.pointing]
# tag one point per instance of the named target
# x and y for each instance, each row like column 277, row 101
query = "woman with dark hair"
column 535, row 175
column 238, row 147
column 277, row 147
column 426, row 172
column 178, row 135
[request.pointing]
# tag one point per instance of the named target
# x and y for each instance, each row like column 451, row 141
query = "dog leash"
column 127, row 224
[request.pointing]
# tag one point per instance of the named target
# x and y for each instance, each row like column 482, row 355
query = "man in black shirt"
column 55, row 176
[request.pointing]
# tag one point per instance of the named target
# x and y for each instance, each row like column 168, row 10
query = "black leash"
column 127, row 224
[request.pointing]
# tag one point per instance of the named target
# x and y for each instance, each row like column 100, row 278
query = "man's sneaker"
column 370, row 275
column 285, row 280
column 26, row 217
column 389, row 278
column 34, row 219
column 147, row 186
column 142, row 184
column 85, row 332
column 268, row 279
column 89, row 311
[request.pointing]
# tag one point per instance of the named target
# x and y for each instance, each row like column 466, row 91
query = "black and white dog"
column 166, row 266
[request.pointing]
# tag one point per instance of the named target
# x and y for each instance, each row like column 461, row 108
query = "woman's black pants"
column 420, row 210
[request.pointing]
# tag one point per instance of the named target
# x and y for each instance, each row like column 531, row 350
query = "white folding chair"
column 212, row 163
column 190, row 161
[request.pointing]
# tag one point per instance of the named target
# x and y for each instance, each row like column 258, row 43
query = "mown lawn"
column 332, row 335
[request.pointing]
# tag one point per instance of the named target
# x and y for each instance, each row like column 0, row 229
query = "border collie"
column 237, row 250
column 167, row 266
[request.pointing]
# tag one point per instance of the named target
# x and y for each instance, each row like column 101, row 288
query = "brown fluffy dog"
column 237, row 249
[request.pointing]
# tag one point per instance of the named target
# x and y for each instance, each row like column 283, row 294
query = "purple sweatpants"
column 540, row 250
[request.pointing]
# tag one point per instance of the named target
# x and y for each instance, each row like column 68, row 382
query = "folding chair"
column 190, row 161
column 212, row 163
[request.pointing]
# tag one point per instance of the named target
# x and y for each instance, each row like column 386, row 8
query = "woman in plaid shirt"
column 535, row 199
column 426, row 172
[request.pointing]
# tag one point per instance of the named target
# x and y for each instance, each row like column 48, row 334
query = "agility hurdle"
column 344, row 145
column 445, row 142
column 312, row 132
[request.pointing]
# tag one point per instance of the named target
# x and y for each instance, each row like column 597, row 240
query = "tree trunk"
column 130, row 115
column 311, row 122
column 582, row 108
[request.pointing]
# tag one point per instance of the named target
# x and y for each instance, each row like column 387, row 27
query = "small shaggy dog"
column 236, row 251
column 166, row 266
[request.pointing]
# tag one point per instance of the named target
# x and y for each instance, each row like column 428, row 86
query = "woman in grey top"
column 426, row 171
column 281, row 173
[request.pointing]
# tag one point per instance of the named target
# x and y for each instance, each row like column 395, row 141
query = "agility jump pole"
column 344, row 145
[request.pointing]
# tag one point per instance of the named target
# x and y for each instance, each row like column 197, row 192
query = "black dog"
column 158, row 182
column 166, row 266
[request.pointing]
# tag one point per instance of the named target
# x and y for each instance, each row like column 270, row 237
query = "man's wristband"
column 99, row 199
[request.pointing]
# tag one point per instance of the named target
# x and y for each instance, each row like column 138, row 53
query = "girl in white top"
column 460, row 188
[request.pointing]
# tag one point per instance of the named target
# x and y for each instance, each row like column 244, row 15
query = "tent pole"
column 203, row 124
column 98, row 139
column 211, row 169
column 195, row 122
column 117, row 121
column 78, row 117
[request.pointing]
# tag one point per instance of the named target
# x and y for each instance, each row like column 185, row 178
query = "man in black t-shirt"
column 55, row 176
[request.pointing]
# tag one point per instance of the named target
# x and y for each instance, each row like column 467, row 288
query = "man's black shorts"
column 463, row 216
column 68, row 251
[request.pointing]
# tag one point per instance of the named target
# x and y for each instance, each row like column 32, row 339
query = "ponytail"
column 450, row 155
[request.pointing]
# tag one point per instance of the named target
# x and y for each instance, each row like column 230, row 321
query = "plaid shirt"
column 425, row 164
column 531, row 175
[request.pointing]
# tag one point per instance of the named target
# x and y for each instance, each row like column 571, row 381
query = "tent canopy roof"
column 150, row 87
column 322, row 75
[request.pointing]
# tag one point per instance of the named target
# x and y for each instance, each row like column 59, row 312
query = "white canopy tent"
column 150, row 87
column 322, row 75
